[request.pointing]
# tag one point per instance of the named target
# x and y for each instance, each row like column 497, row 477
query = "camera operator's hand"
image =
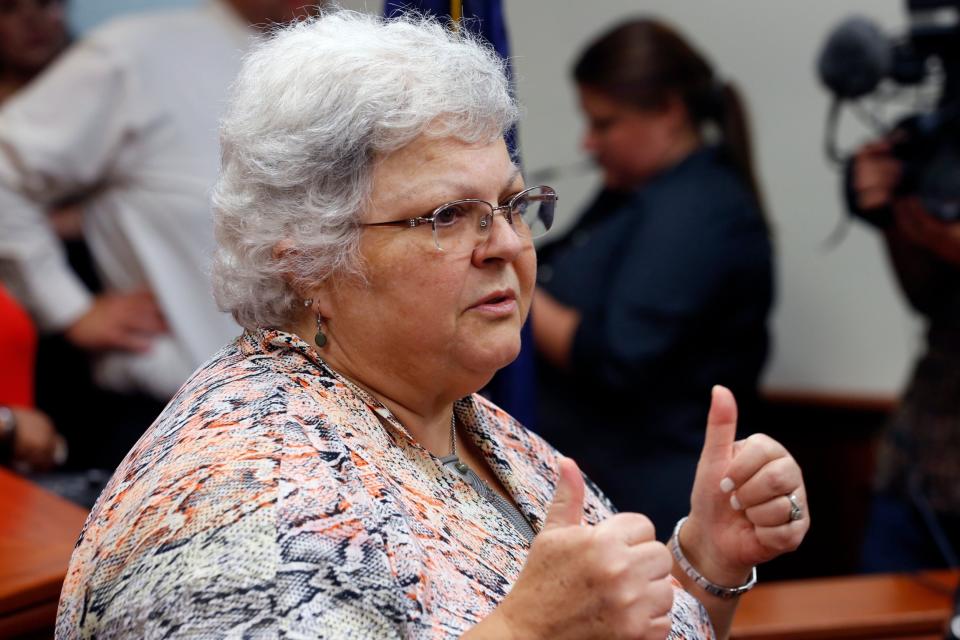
column 920, row 228
column 876, row 173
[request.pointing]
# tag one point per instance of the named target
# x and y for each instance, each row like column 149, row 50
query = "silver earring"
column 308, row 302
column 320, row 339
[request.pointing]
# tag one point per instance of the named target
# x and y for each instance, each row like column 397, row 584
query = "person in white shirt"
column 127, row 121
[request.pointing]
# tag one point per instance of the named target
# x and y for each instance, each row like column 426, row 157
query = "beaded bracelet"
column 713, row 589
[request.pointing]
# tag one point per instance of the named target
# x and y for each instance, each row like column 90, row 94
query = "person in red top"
column 27, row 436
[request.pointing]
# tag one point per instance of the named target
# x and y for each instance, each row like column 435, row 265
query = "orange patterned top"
column 269, row 500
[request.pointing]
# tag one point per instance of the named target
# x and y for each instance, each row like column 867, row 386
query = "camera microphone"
column 856, row 56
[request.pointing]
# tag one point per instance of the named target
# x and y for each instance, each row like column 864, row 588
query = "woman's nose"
column 501, row 242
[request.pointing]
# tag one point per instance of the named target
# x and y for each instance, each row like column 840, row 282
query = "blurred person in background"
column 124, row 123
column 28, row 439
column 915, row 519
column 664, row 285
column 32, row 33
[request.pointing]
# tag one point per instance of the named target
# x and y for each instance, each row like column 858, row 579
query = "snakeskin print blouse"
column 268, row 500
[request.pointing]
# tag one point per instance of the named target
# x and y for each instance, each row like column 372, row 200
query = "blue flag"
column 514, row 387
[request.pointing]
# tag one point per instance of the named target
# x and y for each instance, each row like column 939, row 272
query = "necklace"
column 451, row 461
column 452, row 458
column 453, row 433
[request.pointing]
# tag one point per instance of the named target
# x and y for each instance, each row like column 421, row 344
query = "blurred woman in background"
column 664, row 285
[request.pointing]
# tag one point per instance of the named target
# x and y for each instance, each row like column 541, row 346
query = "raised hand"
column 579, row 582
column 741, row 510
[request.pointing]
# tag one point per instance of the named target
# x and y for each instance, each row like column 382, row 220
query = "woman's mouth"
column 503, row 302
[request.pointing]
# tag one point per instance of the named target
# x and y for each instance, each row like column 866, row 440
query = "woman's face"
column 32, row 32
column 628, row 143
column 433, row 317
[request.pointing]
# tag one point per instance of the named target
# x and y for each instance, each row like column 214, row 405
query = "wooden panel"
column 874, row 606
column 844, row 401
column 37, row 533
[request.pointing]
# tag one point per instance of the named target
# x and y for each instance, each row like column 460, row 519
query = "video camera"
column 859, row 60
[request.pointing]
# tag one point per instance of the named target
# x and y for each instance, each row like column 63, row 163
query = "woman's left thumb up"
column 721, row 429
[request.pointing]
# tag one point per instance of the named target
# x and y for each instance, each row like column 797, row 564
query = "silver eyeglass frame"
column 486, row 221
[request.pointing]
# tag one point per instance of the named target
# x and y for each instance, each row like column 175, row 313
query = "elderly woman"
column 332, row 473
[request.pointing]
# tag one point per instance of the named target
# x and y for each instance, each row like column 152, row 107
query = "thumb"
column 721, row 427
column 567, row 506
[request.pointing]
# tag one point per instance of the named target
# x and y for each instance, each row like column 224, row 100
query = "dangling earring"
column 320, row 339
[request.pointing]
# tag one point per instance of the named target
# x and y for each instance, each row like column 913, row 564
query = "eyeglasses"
column 459, row 225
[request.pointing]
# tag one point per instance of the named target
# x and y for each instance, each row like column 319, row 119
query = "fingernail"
column 726, row 485
column 735, row 503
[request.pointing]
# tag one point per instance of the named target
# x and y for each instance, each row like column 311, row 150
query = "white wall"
column 85, row 14
column 840, row 326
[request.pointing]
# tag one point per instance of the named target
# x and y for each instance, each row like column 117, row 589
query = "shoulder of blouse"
column 209, row 501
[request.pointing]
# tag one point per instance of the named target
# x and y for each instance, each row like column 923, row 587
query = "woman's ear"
column 318, row 294
column 279, row 254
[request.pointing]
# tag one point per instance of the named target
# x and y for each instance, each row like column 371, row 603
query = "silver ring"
column 796, row 511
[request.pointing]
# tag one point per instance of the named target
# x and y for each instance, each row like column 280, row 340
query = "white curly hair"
column 315, row 106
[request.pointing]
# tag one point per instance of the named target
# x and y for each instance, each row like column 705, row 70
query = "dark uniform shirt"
column 674, row 285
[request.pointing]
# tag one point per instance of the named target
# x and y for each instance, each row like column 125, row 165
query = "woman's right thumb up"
column 567, row 506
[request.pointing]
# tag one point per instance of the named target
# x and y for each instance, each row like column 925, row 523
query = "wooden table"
column 869, row 606
column 37, row 532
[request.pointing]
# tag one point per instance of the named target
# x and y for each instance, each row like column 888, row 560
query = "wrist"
column 496, row 626
column 708, row 570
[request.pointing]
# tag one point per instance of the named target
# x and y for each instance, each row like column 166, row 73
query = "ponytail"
column 735, row 129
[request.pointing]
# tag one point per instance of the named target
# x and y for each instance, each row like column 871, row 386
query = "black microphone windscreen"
column 855, row 58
